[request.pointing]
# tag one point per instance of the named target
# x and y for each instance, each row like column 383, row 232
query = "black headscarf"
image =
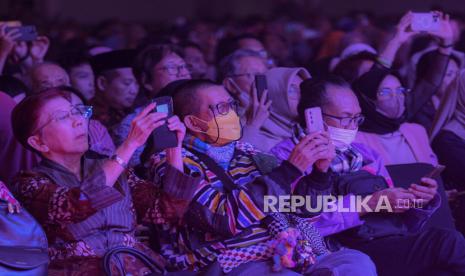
column 366, row 88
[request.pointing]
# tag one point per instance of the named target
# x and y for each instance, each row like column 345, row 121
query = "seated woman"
column 448, row 134
column 89, row 206
column 283, row 95
column 382, row 99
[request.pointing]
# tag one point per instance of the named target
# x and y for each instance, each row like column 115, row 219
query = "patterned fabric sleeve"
column 165, row 203
column 53, row 204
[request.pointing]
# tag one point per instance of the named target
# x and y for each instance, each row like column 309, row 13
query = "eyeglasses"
column 388, row 92
column 176, row 69
column 348, row 121
column 84, row 111
column 223, row 108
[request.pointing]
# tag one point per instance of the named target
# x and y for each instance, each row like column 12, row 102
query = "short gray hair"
column 229, row 64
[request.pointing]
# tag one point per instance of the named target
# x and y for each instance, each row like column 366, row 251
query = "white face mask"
column 342, row 137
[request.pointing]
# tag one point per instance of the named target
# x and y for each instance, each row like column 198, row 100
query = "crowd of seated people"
column 77, row 151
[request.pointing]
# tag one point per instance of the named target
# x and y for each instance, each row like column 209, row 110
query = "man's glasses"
column 84, row 111
column 176, row 69
column 348, row 121
column 223, row 108
column 388, row 92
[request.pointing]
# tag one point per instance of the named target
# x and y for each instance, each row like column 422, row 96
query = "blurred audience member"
column 281, row 99
column 156, row 67
column 116, row 86
column 237, row 73
column 195, row 59
column 81, row 76
column 448, row 133
column 47, row 75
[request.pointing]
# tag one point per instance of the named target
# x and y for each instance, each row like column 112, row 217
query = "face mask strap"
column 217, row 127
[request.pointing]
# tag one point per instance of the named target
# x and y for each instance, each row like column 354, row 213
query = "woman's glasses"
column 84, row 111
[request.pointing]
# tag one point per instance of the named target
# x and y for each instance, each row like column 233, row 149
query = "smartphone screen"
column 425, row 22
column 163, row 108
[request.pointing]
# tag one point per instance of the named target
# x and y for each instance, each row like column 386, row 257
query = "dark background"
column 91, row 11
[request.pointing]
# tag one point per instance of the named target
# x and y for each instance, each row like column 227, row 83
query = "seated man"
column 396, row 241
column 47, row 75
column 115, row 84
column 227, row 221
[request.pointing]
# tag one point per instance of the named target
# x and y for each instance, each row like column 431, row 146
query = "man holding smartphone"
column 396, row 241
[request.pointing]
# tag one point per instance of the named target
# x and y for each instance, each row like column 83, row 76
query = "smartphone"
column 28, row 33
column 314, row 119
column 425, row 22
column 163, row 138
column 261, row 85
column 436, row 171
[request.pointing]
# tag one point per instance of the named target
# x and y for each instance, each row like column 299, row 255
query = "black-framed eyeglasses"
column 176, row 69
column 223, row 108
column 85, row 111
column 387, row 92
column 348, row 121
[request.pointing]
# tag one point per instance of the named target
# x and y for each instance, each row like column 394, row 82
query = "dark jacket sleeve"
column 313, row 185
column 427, row 86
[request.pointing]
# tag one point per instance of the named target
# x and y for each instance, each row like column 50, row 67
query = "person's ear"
column 36, row 143
column 194, row 124
column 39, row 48
column 101, row 82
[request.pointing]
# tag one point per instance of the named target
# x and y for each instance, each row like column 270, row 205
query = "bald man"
column 47, row 75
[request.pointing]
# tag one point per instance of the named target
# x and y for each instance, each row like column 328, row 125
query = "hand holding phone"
column 163, row 138
column 26, row 33
column 436, row 171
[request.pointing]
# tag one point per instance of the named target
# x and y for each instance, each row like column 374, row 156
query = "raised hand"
column 259, row 111
column 7, row 40
column 143, row 125
column 403, row 30
column 311, row 148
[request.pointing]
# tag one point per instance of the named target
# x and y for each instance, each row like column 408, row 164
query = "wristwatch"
column 119, row 160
